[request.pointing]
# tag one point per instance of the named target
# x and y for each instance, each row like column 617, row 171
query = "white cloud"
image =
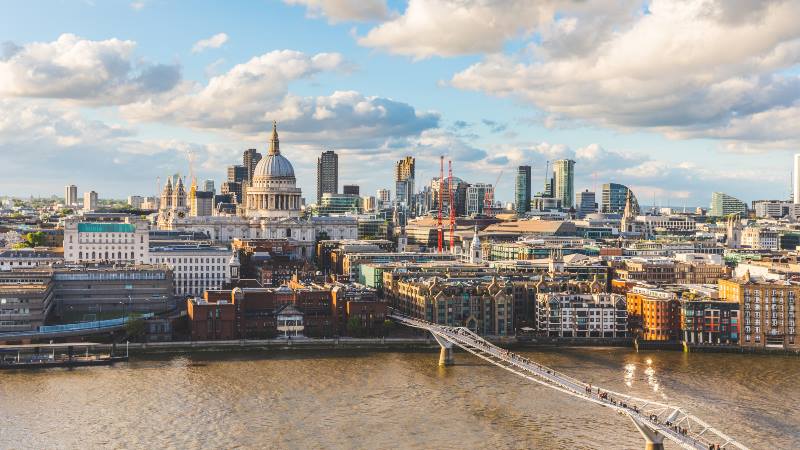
column 215, row 41
column 100, row 72
column 137, row 5
column 246, row 99
column 459, row 27
column 696, row 68
column 345, row 10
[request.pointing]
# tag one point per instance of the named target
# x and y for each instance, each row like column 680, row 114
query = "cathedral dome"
column 274, row 165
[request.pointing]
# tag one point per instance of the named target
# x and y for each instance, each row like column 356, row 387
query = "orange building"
column 654, row 314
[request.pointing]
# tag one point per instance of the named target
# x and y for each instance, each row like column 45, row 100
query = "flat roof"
column 64, row 345
column 106, row 228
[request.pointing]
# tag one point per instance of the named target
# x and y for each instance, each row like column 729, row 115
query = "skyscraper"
column 208, row 186
column 250, row 158
column 586, row 203
column 327, row 174
column 404, row 180
column 351, row 189
column 522, row 192
column 564, row 175
column 384, row 198
column 237, row 174
column 90, row 201
column 70, row 195
column 796, row 178
column 612, row 198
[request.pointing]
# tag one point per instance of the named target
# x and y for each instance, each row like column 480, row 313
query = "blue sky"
column 676, row 99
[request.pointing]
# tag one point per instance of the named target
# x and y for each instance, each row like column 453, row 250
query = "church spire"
column 274, row 143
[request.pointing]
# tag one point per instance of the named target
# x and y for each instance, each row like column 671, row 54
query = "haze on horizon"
column 673, row 98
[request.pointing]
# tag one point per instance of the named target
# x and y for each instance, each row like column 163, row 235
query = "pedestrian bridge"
column 654, row 420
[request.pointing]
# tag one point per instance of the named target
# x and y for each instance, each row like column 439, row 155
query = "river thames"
column 381, row 400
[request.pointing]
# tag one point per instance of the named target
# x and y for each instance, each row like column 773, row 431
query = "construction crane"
column 452, row 206
column 488, row 199
column 441, row 197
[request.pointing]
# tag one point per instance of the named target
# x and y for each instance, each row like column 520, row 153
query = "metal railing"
column 670, row 421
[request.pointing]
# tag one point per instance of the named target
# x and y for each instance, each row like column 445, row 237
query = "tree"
column 388, row 326
column 30, row 240
column 135, row 329
column 354, row 327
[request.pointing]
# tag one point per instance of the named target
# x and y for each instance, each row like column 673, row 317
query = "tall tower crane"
column 452, row 206
column 488, row 199
column 441, row 197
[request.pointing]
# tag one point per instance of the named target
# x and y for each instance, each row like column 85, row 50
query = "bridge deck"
column 669, row 421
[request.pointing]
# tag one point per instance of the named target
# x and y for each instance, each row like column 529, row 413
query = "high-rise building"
column 202, row 204
column 368, row 203
column 135, row 201
column 723, row 204
column 237, row 174
column 70, row 195
column 564, row 176
column 250, row 158
column 796, row 178
column 613, row 198
column 327, row 174
column 586, row 203
column 90, row 201
column 384, row 198
column 522, row 192
column 230, row 187
column 404, row 180
column 476, row 194
column 351, row 189
column 208, row 186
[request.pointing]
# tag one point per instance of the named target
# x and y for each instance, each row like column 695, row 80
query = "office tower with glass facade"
column 613, row 197
column 723, row 204
column 522, row 190
column 564, row 177
column 404, row 180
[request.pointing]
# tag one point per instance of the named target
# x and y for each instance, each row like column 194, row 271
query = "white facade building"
column 90, row 201
column 582, row 315
column 272, row 210
column 476, row 197
column 196, row 268
column 28, row 257
column 759, row 238
column 122, row 242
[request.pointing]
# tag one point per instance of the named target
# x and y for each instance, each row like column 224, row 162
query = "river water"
column 375, row 400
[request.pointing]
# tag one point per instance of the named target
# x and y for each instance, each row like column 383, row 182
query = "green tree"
column 354, row 327
column 35, row 239
column 388, row 326
column 135, row 329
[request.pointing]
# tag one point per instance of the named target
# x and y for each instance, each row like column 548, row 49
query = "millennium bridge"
column 654, row 420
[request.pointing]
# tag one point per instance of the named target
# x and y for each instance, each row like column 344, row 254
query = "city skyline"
column 355, row 81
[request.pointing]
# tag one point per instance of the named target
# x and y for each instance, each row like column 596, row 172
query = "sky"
column 675, row 99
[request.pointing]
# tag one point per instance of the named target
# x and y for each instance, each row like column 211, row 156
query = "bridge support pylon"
column 652, row 438
column 446, row 352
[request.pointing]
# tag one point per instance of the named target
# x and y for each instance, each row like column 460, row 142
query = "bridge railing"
column 671, row 421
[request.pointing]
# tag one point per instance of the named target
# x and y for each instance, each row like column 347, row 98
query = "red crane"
column 452, row 206
column 441, row 197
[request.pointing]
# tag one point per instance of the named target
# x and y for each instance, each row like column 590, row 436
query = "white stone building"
column 582, row 315
column 272, row 210
column 196, row 268
column 116, row 242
